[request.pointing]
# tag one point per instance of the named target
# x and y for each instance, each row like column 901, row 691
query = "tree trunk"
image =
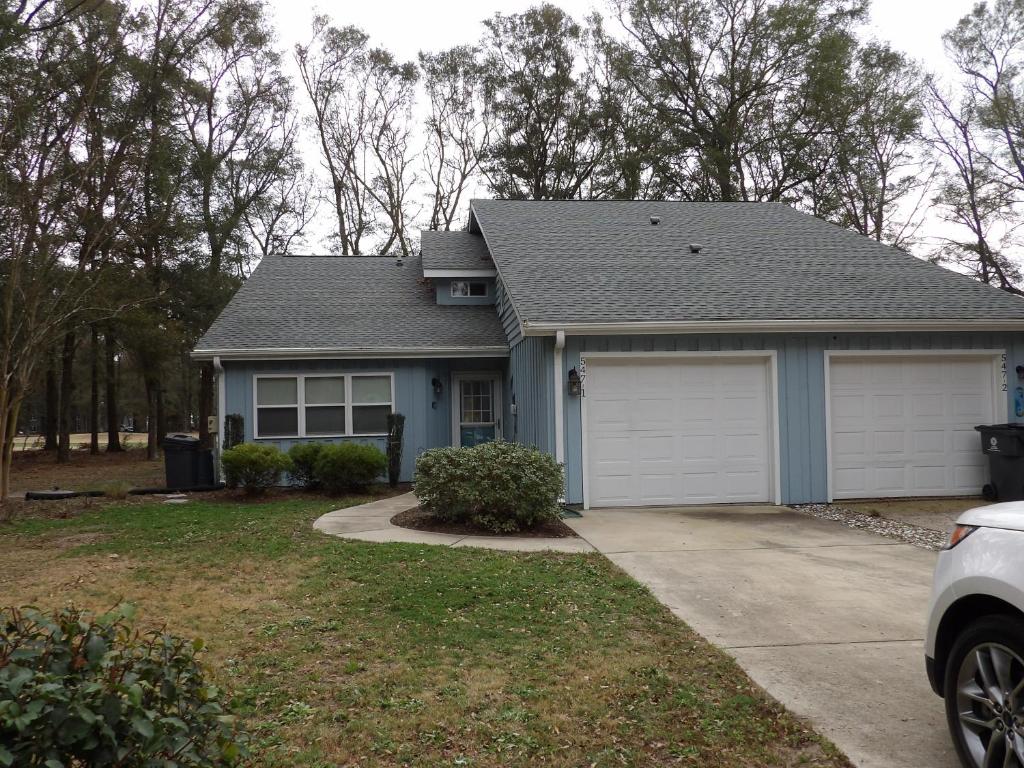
column 161, row 414
column 67, row 388
column 205, row 404
column 94, row 391
column 8, row 432
column 52, row 407
column 152, row 453
column 113, row 423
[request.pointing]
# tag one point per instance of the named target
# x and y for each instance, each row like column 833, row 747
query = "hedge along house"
column 666, row 353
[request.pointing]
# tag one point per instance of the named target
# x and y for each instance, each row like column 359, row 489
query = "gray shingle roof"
column 346, row 304
column 603, row 261
column 454, row 250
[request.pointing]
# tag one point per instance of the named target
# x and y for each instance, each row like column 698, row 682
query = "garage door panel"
column 916, row 436
column 698, row 429
column 929, row 441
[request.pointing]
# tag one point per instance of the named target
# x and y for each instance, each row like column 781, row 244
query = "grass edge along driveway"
column 348, row 653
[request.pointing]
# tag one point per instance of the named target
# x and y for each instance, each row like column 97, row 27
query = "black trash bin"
column 186, row 464
column 1004, row 446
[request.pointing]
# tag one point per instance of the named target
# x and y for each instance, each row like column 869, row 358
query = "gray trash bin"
column 1004, row 446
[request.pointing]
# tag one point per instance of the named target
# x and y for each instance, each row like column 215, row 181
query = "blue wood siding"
column 428, row 422
column 443, row 286
column 530, row 385
column 801, row 395
column 507, row 314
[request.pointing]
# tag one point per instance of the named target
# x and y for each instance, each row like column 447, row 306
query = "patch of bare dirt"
column 40, row 471
column 419, row 520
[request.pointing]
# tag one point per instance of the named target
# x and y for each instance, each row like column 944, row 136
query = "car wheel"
column 984, row 691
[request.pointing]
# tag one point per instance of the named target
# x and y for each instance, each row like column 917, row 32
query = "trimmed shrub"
column 503, row 487
column 303, row 457
column 349, row 466
column 82, row 690
column 254, row 467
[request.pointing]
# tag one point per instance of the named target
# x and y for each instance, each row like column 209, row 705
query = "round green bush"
column 503, row 487
column 349, row 466
column 82, row 690
column 254, row 467
column 303, row 457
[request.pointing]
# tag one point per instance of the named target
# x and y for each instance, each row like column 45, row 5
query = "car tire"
column 1002, row 634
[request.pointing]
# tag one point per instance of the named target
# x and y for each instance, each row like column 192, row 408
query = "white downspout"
column 559, row 400
column 218, row 444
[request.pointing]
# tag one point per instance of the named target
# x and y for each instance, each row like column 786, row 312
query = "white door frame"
column 456, row 404
column 771, row 360
column 999, row 385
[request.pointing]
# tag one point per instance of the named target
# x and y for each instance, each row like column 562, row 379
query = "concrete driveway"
column 829, row 620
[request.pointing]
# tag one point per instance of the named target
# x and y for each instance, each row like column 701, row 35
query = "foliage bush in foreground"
column 79, row 690
column 253, row 467
column 501, row 486
column 349, row 466
column 303, row 457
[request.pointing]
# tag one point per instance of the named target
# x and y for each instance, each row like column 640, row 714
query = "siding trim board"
column 768, row 326
column 770, row 358
column 1000, row 388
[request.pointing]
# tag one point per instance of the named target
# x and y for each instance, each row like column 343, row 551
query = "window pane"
column 325, row 389
column 278, row 421
column 329, row 420
column 460, row 288
column 370, row 419
column 371, row 389
column 478, row 289
column 276, row 392
column 477, row 405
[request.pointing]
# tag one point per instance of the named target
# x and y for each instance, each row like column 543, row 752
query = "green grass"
column 344, row 653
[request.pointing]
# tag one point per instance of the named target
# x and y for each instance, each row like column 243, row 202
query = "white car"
column 974, row 648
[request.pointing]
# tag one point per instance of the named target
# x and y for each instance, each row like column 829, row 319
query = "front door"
column 476, row 409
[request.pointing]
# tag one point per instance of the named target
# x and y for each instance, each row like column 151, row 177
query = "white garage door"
column 692, row 430
column 904, row 426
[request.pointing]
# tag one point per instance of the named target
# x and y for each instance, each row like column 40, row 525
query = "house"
column 666, row 352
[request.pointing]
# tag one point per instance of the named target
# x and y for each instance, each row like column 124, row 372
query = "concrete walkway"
column 829, row 620
column 372, row 522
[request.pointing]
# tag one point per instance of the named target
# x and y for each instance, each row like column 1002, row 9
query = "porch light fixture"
column 436, row 384
column 575, row 384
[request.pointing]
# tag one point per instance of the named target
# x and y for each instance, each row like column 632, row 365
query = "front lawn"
column 345, row 653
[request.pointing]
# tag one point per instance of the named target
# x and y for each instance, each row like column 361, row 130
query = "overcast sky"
column 408, row 26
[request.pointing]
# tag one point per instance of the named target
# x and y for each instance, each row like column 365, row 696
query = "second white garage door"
column 690, row 430
column 904, row 426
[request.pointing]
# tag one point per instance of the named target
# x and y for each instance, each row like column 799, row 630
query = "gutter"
column 769, row 326
column 559, row 401
column 307, row 353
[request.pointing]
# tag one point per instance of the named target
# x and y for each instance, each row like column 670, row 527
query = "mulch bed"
column 419, row 520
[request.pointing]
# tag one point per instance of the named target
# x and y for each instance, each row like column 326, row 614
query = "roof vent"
column 695, row 247
column 655, row 220
column 398, row 260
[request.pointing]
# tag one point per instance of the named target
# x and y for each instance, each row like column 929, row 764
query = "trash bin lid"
column 180, row 440
column 1015, row 429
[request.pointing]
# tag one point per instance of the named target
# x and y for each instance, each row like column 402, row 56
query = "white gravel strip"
column 925, row 538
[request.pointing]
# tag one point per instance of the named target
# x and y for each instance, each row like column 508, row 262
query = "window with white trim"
column 323, row 405
column 468, row 288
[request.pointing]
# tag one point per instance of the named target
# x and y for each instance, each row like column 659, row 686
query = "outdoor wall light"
column 1020, row 372
column 575, row 384
column 436, row 384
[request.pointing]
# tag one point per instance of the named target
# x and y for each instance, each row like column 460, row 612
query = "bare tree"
column 971, row 194
column 41, row 119
column 330, row 67
column 278, row 221
column 457, row 129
